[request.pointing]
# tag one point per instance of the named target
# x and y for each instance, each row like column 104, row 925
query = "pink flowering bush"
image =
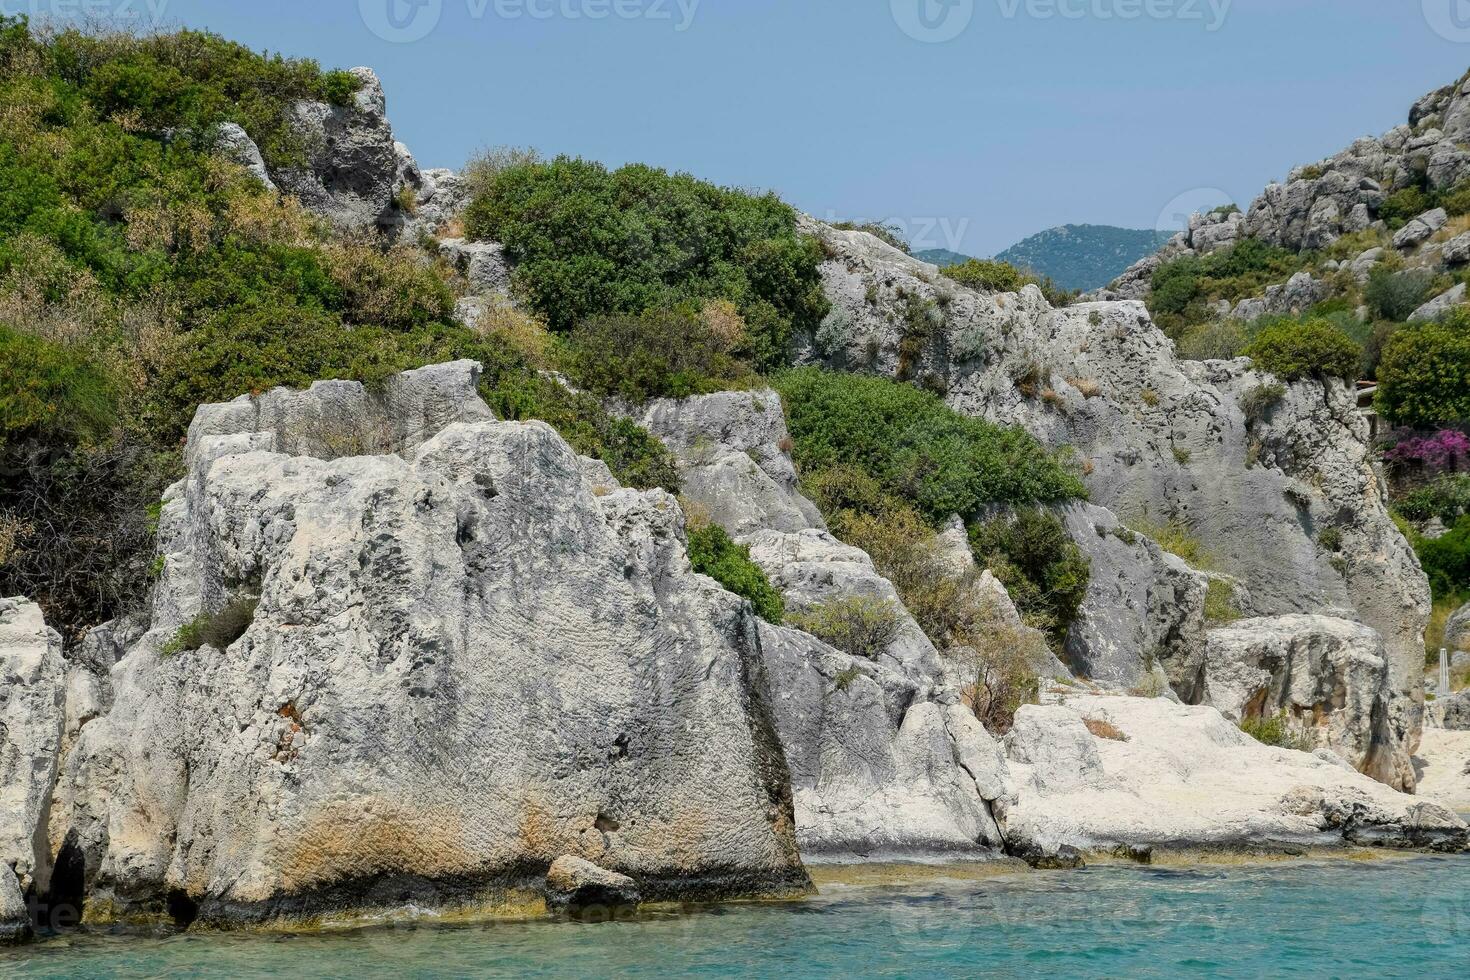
column 1446, row 451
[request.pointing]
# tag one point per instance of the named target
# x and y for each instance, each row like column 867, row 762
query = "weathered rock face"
column 885, row 761
column 1451, row 713
column 1186, row 778
column 733, row 452
column 879, row 770
column 235, row 145
column 1257, row 472
column 1144, row 611
column 1327, row 676
column 31, row 714
column 463, row 664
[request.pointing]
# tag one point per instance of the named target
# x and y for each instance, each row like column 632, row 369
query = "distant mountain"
column 1083, row 256
column 941, row 257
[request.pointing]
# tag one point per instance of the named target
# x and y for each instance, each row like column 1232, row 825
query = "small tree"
column 1314, row 349
column 1424, row 376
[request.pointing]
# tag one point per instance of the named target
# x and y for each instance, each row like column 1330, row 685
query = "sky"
column 969, row 123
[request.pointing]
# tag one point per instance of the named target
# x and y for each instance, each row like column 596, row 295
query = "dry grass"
column 1104, row 729
column 1087, row 386
column 521, row 331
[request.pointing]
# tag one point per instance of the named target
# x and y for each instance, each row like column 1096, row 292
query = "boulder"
column 353, row 167
column 1420, row 229
column 1165, row 776
column 1327, row 677
column 734, row 456
column 1440, row 305
column 483, row 264
column 1451, row 713
column 32, row 690
column 578, row 888
column 1457, row 630
column 235, row 145
column 1144, row 611
column 1443, row 765
column 811, row 569
column 458, row 663
column 15, row 916
column 1456, row 251
column 880, row 769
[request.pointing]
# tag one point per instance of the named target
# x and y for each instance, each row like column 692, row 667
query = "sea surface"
column 1391, row 918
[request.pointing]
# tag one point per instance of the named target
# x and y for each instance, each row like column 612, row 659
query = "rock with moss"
column 578, row 888
column 464, row 662
column 1327, row 677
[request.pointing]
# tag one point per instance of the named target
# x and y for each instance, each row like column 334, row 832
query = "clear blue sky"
column 1017, row 124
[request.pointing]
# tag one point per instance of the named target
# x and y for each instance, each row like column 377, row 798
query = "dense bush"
column 589, row 242
column 51, row 392
column 1184, row 288
column 1424, row 373
column 989, row 275
column 1446, row 559
column 216, row 629
column 1402, row 206
column 1215, row 340
column 859, row 626
column 1446, row 498
column 1394, row 295
column 1313, row 348
column 660, row 354
column 712, row 553
column 1040, row 566
column 915, row 447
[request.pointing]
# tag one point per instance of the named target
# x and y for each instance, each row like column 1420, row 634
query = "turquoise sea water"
column 1402, row 918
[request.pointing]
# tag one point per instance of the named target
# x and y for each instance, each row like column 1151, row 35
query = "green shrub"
column 712, row 553
column 1394, row 295
column 217, row 629
column 1402, row 206
column 1215, row 340
column 1314, row 348
column 1424, row 373
column 1220, row 607
column 915, row 447
column 1447, row 498
column 1274, row 731
column 1257, row 403
column 588, row 242
column 1446, row 559
column 989, row 275
column 51, row 392
column 1184, row 289
column 1041, row 567
column 859, row 626
column 660, row 354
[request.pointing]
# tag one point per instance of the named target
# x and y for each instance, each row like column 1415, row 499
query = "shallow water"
column 1386, row 918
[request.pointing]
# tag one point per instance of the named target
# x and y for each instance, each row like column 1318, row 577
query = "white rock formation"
column 31, row 718
column 464, row 663
column 1328, row 677
column 1188, row 779
column 1443, row 765
column 1255, row 471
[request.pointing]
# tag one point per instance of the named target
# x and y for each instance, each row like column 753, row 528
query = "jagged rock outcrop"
column 1440, row 305
column 733, row 452
column 31, row 714
column 1327, row 677
column 1144, row 613
column 880, row 770
column 1451, row 713
column 1165, row 776
column 483, row 265
column 1297, row 295
column 235, row 145
column 1256, row 471
column 461, row 663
